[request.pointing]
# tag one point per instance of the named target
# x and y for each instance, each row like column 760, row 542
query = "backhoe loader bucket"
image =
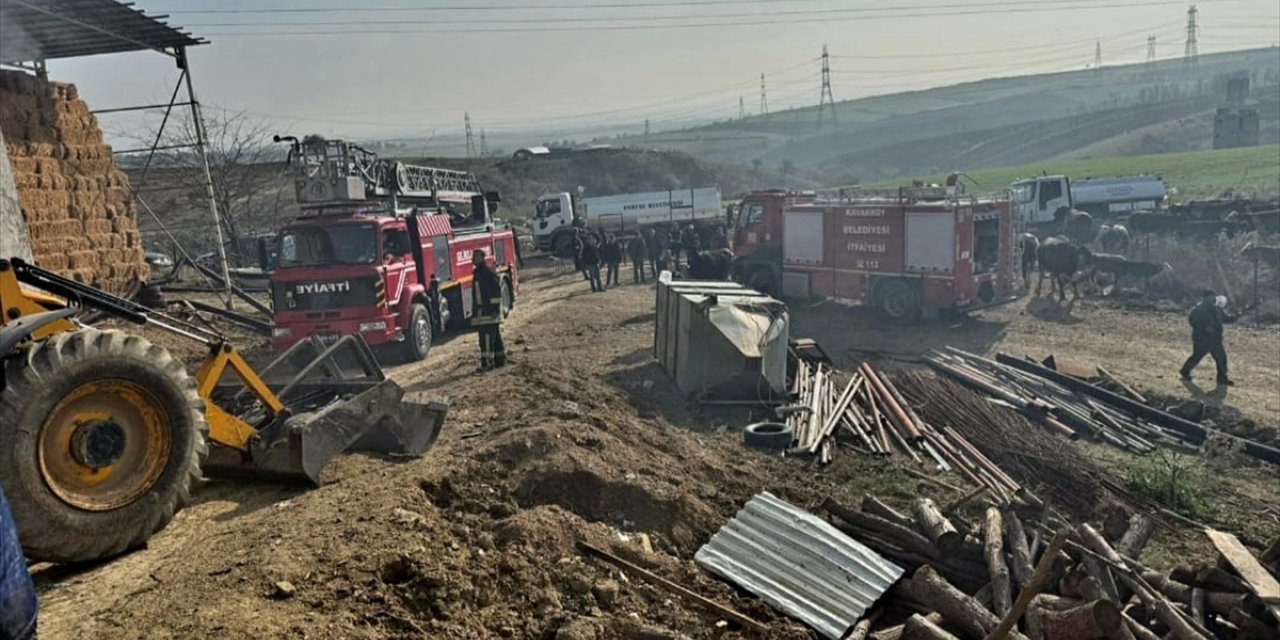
column 338, row 400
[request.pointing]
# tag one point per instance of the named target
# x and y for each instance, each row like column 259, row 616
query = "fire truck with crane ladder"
column 383, row 249
column 910, row 252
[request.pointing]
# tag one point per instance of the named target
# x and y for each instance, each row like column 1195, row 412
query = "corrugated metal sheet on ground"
column 799, row 564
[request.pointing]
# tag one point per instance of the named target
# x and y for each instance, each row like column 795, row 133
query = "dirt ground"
column 582, row 437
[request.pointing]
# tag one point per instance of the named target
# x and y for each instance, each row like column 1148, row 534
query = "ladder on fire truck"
column 331, row 172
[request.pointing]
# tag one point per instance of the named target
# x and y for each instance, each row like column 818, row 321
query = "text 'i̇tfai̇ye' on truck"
column 382, row 249
column 911, row 252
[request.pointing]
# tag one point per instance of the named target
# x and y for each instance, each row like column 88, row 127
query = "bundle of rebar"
column 870, row 415
column 1051, row 405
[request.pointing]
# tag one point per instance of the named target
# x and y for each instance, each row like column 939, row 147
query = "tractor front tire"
column 102, row 435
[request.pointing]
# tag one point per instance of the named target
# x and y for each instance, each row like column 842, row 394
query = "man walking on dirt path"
column 638, row 253
column 486, row 299
column 1206, row 320
column 591, row 264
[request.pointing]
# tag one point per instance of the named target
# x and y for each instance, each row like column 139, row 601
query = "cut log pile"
column 1045, row 579
column 75, row 201
column 868, row 414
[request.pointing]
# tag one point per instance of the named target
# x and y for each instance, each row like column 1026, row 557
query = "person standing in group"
column 591, row 263
column 488, row 312
column 1206, row 320
column 720, row 240
column 690, row 241
column 638, row 253
column 578, row 244
column 612, row 259
column 656, row 241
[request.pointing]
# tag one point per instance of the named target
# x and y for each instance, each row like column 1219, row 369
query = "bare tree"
column 249, row 187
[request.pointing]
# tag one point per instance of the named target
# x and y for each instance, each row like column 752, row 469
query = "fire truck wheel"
column 417, row 339
column 898, row 300
column 507, row 300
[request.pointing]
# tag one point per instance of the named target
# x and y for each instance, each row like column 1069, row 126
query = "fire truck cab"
column 383, row 250
column 910, row 253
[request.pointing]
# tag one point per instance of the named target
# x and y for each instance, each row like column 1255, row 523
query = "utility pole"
column 1097, row 54
column 484, row 145
column 646, row 130
column 1191, row 51
column 826, row 99
column 742, row 109
column 471, row 144
column 764, row 99
column 1151, row 51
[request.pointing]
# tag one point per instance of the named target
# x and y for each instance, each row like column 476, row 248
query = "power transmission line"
column 742, row 108
column 1097, row 54
column 1151, row 50
column 556, row 23
column 825, row 97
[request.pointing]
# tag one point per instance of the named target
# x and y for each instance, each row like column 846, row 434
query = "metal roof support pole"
column 202, row 145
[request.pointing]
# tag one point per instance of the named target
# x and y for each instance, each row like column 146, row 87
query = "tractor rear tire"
column 102, row 435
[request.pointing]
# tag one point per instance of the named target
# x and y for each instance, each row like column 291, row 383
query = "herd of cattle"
column 1066, row 258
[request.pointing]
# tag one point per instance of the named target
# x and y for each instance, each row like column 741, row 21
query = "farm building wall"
column 74, row 200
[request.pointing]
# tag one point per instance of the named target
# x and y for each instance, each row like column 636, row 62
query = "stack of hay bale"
column 75, row 201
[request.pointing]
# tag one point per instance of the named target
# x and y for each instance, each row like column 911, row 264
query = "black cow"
column 1120, row 267
column 1030, row 246
column 1060, row 260
column 716, row 264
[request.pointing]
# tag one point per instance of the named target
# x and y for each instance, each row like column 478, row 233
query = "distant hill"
column 998, row 121
column 1195, row 175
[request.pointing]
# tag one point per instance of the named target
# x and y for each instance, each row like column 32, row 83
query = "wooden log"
column 1136, row 536
column 1004, row 628
column 906, row 538
column 1139, row 631
column 917, row 627
column 1095, row 542
column 1199, row 604
column 1181, row 626
column 657, row 580
column 873, row 506
column 895, row 633
column 1219, row 580
column 997, row 570
column 1250, row 627
column 955, row 505
column 860, row 630
column 1127, row 389
column 1225, row 603
column 962, row 612
column 1080, row 585
column 936, row 527
column 1272, row 552
column 1172, row 589
column 1015, row 541
column 1097, row 619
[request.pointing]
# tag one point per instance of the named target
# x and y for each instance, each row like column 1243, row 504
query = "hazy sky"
column 398, row 67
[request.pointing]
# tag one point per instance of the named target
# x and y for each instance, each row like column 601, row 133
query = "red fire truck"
column 382, row 249
column 910, row 253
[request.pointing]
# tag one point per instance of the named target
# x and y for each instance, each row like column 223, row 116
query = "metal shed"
column 721, row 340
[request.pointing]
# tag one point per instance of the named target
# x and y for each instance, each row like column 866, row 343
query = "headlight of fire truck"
column 281, row 332
column 377, row 325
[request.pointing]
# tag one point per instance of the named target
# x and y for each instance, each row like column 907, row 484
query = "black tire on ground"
column 417, row 335
column 88, row 398
column 898, row 300
column 775, row 436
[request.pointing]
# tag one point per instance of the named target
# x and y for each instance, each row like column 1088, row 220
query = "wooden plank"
column 1263, row 584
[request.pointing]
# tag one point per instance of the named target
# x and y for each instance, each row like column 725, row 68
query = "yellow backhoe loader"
column 103, row 434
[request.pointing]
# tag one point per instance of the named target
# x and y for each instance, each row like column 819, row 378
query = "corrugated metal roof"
column 799, row 564
column 47, row 29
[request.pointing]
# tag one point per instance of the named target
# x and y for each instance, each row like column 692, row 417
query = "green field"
column 1253, row 171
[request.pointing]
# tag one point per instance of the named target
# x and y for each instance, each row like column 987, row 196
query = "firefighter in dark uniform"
column 487, row 312
column 1206, row 320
